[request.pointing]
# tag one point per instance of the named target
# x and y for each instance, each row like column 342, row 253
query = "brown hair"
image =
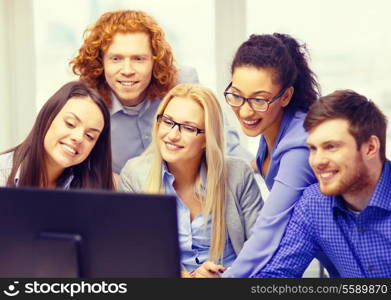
column 364, row 117
column 88, row 64
column 93, row 172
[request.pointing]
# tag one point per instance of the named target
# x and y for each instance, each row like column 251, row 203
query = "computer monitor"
column 89, row 234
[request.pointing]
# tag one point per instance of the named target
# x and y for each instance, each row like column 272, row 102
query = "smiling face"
column 72, row 134
column 182, row 147
column 128, row 65
column 337, row 164
column 251, row 82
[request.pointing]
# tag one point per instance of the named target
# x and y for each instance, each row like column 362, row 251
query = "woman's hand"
column 185, row 274
column 208, row 270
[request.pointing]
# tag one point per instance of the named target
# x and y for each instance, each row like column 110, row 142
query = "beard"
column 354, row 182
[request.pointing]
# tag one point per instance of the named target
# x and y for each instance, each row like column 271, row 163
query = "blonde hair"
column 214, row 201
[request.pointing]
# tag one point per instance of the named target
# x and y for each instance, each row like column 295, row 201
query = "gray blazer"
column 243, row 196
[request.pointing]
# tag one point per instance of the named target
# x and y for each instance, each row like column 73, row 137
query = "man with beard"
column 344, row 219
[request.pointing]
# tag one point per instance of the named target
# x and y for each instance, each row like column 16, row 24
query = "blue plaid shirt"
column 358, row 245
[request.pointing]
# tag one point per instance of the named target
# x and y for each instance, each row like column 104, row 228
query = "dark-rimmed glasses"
column 169, row 124
column 256, row 104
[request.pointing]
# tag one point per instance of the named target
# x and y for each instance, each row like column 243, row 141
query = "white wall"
column 5, row 117
column 27, row 80
column 21, row 93
column 349, row 42
column 17, row 71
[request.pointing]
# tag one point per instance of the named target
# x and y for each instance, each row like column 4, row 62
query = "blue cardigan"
column 288, row 175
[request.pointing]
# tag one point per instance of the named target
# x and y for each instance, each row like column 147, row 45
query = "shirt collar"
column 117, row 106
column 169, row 178
column 286, row 120
column 381, row 195
column 338, row 203
column 67, row 183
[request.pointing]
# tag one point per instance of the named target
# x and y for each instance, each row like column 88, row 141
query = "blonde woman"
column 218, row 199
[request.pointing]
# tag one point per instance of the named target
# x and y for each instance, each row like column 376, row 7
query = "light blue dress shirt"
column 194, row 236
column 131, row 127
column 357, row 244
column 288, row 175
column 130, row 132
column 242, row 195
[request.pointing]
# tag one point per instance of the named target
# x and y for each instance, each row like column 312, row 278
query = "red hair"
column 88, row 64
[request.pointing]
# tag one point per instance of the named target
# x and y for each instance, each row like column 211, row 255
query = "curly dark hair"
column 288, row 58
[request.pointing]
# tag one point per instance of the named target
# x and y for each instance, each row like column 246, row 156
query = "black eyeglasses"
column 169, row 124
column 256, row 104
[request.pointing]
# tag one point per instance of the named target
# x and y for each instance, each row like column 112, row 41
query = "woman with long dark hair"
column 68, row 146
column 271, row 90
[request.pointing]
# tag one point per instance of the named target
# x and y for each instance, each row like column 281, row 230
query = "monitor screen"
column 79, row 233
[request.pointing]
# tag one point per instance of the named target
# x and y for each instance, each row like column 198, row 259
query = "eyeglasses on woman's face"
column 166, row 123
column 256, row 104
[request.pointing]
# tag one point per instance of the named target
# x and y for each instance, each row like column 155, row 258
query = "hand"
column 185, row 274
column 208, row 270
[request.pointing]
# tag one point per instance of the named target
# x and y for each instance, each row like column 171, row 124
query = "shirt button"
column 146, row 137
column 362, row 230
column 370, row 268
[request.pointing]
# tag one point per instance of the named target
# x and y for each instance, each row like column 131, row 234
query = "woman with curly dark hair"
column 271, row 90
